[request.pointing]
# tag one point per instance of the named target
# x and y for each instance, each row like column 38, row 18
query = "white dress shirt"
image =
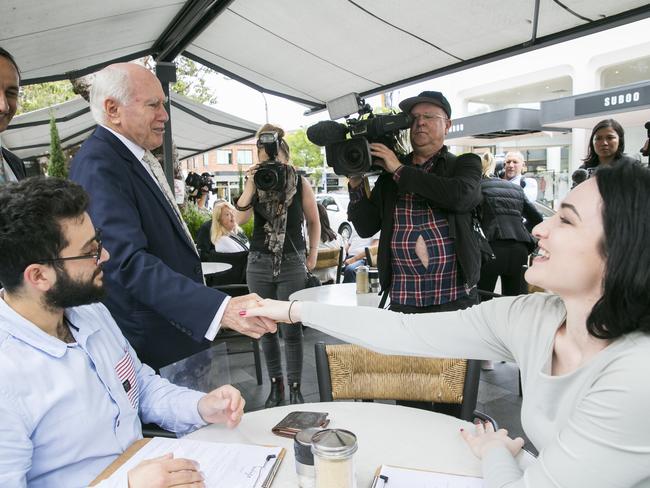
column 68, row 410
column 530, row 187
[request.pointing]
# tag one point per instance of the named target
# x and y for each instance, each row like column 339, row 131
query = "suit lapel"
column 146, row 179
column 15, row 163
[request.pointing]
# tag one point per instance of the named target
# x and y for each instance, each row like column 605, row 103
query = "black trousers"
column 511, row 257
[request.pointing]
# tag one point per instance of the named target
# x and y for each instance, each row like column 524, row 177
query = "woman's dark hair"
column 591, row 161
column 326, row 232
column 31, row 211
column 624, row 306
column 5, row 54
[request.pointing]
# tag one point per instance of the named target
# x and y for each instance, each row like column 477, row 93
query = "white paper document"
column 223, row 465
column 395, row 477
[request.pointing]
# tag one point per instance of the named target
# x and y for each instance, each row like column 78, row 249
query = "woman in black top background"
column 606, row 146
column 276, row 261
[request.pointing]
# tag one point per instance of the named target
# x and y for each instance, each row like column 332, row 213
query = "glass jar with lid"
column 333, row 451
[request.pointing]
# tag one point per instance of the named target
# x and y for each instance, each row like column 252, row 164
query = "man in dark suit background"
column 11, row 166
column 154, row 280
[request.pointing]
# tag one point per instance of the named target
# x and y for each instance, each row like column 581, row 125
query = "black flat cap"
column 434, row 97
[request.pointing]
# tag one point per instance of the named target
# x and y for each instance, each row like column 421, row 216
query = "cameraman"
column 276, row 262
column 428, row 257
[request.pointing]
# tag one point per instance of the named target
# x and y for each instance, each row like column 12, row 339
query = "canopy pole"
column 535, row 23
column 166, row 73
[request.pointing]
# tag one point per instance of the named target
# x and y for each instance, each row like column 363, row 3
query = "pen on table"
column 261, row 468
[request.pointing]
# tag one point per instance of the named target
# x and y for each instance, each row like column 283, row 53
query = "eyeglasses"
column 93, row 255
column 427, row 117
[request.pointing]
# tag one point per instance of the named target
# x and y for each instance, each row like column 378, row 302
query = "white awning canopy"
column 197, row 128
column 310, row 51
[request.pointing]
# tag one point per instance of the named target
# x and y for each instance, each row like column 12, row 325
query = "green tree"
column 33, row 97
column 303, row 152
column 191, row 81
column 57, row 166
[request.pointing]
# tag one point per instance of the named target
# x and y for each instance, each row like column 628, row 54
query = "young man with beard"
column 72, row 390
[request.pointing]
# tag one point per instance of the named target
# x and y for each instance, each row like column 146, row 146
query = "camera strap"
column 300, row 255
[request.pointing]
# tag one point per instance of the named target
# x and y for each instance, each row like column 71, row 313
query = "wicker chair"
column 351, row 372
column 328, row 258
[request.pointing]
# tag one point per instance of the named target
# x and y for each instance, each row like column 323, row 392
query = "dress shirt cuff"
column 397, row 173
column 356, row 194
column 188, row 418
column 211, row 333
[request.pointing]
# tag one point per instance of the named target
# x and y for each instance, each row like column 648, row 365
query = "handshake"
column 273, row 311
column 248, row 315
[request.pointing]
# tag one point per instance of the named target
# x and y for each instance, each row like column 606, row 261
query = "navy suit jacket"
column 153, row 278
column 15, row 163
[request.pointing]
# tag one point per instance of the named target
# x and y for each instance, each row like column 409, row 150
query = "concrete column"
column 553, row 158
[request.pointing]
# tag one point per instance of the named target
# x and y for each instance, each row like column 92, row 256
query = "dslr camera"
column 272, row 174
column 351, row 155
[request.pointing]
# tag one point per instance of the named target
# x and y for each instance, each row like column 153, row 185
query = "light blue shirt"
column 65, row 412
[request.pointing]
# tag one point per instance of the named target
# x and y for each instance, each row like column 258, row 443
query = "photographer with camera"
column 200, row 187
column 280, row 198
column 428, row 257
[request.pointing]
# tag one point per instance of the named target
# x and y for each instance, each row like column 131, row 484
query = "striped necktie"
column 159, row 175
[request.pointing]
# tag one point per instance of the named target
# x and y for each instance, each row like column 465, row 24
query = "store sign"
column 612, row 101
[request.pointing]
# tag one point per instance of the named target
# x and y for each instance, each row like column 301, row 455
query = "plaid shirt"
column 412, row 283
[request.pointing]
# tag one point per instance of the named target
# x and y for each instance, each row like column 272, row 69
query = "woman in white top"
column 583, row 351
column 225, row 234
column 328, row 240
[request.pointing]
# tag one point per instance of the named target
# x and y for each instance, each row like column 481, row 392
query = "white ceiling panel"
column 308, row 50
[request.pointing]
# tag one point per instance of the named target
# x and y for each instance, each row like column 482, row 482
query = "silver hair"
column 516, row 154
column 111, row 82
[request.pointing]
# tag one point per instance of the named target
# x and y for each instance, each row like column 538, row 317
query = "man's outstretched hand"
column 254, row 327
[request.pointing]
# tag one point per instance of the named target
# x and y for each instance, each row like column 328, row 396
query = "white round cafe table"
column 210, row 268
column 337, row 294
column 386, row 434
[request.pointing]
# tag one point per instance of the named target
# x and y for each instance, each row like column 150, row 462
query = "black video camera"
column 272, row 174
column 351, row 156
column 199, row 184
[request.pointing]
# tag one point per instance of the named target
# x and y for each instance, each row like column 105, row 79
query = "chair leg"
column 258, row 362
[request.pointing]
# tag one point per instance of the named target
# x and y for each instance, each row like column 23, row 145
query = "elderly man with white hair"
column 154, row 280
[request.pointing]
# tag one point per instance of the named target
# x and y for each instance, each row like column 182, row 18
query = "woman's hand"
column 275, row 310
column 164, row 472
column 250, row 177
column 485, row 438
column 311, row 259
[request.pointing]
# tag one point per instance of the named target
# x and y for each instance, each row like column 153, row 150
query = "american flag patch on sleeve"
column 125, row 370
